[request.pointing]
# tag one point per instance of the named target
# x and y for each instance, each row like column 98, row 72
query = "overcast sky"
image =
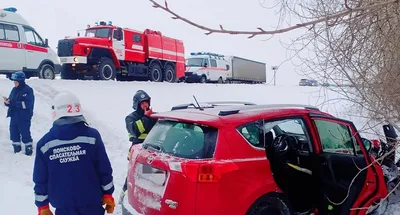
column 56, row 19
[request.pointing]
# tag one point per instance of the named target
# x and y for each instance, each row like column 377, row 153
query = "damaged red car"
column 223, row 158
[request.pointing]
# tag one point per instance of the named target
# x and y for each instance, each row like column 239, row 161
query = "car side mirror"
column 367, row 144
column 46, row 42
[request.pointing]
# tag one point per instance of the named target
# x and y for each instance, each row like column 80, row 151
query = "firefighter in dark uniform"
column 138, row 123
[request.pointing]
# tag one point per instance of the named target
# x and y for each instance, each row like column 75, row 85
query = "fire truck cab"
column 206, row 67
column 108, row 52
column 23, row 49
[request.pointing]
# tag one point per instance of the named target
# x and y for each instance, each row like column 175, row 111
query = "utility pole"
column 274, row 68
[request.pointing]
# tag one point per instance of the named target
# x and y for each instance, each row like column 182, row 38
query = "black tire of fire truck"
column 272, row 203
column 47, row 71
column 106, row 70
column 67, row 73
column 155, row 72
column 169, row 73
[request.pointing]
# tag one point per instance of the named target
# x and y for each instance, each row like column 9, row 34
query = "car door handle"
column 30, row 51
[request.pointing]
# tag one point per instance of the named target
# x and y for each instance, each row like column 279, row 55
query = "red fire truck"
column 108, row 52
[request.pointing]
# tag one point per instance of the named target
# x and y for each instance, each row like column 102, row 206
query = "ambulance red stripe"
column 17, row 45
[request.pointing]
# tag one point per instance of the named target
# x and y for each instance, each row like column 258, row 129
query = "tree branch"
column 261, row 31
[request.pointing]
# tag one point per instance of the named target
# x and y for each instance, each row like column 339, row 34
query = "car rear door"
column 158, row 185
column 163, row 175
column 345, row 176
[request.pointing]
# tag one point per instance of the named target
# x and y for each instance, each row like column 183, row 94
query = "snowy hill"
column 106, row 104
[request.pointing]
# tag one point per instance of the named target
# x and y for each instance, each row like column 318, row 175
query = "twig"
column 261, row 31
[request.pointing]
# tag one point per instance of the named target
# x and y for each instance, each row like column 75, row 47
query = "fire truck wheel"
column 106, row 69
column 155, row 72
column 169, row 74
column 67, row 73
column 47, row 71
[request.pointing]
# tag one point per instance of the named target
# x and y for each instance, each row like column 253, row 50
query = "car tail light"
column 209, row 172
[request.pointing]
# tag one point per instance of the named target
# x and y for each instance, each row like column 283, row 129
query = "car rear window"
column 181, row 139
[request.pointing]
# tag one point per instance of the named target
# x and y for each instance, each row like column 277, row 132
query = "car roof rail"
column 210, row 104
column 289, row 106
column 230, row 112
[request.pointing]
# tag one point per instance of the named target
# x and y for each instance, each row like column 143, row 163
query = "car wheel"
column 203, row 79
column 107, row 69
column 155, row 72
column 169, row 74
column 47, row 72
column 270, row 204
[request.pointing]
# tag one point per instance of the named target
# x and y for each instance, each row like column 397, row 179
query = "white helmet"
column 66, row 104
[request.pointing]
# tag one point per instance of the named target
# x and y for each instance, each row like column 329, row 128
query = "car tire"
column 169, row 74
column 155, row 72
column 106, row 70
column 47, row 71
column 203, row 79
column 271, row 204
column 67, row 73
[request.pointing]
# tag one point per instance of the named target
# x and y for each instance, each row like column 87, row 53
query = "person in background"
column 72, row 171
column 138, row 124
column 20, row 105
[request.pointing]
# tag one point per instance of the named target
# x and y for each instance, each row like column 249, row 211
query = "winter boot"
column 28, row 149
column 17, row 147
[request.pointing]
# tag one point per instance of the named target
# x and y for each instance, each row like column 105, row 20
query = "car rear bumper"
column 74, row 59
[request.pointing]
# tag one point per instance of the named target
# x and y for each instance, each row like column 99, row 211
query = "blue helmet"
column 18, row 76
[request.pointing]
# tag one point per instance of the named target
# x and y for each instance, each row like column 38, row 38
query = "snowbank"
column 106, row 104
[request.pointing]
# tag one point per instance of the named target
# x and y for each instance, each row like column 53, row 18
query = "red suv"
column 248, row 159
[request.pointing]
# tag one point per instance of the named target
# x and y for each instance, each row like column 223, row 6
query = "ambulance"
column 23, row 49
column 202, row 67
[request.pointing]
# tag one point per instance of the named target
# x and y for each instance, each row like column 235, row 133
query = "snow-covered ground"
column 106, row 104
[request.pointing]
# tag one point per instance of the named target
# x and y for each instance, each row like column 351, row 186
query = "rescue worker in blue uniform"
column 72, row 171
column 138, row 123
column 20, row 105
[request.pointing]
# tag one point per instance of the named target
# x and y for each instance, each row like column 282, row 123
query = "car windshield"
column 180, row 139
column 194, row 62
column 98, row 32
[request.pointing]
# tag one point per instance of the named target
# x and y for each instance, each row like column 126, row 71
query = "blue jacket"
column 21, row 104
column 71, row 166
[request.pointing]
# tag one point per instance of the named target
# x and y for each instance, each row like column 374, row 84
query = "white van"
column 23, row 49
column 206, row 67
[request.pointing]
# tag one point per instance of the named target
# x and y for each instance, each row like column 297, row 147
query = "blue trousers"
column 92, row 210
column 20, row 130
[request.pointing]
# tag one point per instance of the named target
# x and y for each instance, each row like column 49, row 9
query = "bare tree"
column 351, row 44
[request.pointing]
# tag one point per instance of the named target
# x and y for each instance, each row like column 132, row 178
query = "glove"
column 45, row 210
column 108, row 200
column 148, row 112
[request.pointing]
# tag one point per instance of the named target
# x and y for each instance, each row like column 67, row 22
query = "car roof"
column 219, row 114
